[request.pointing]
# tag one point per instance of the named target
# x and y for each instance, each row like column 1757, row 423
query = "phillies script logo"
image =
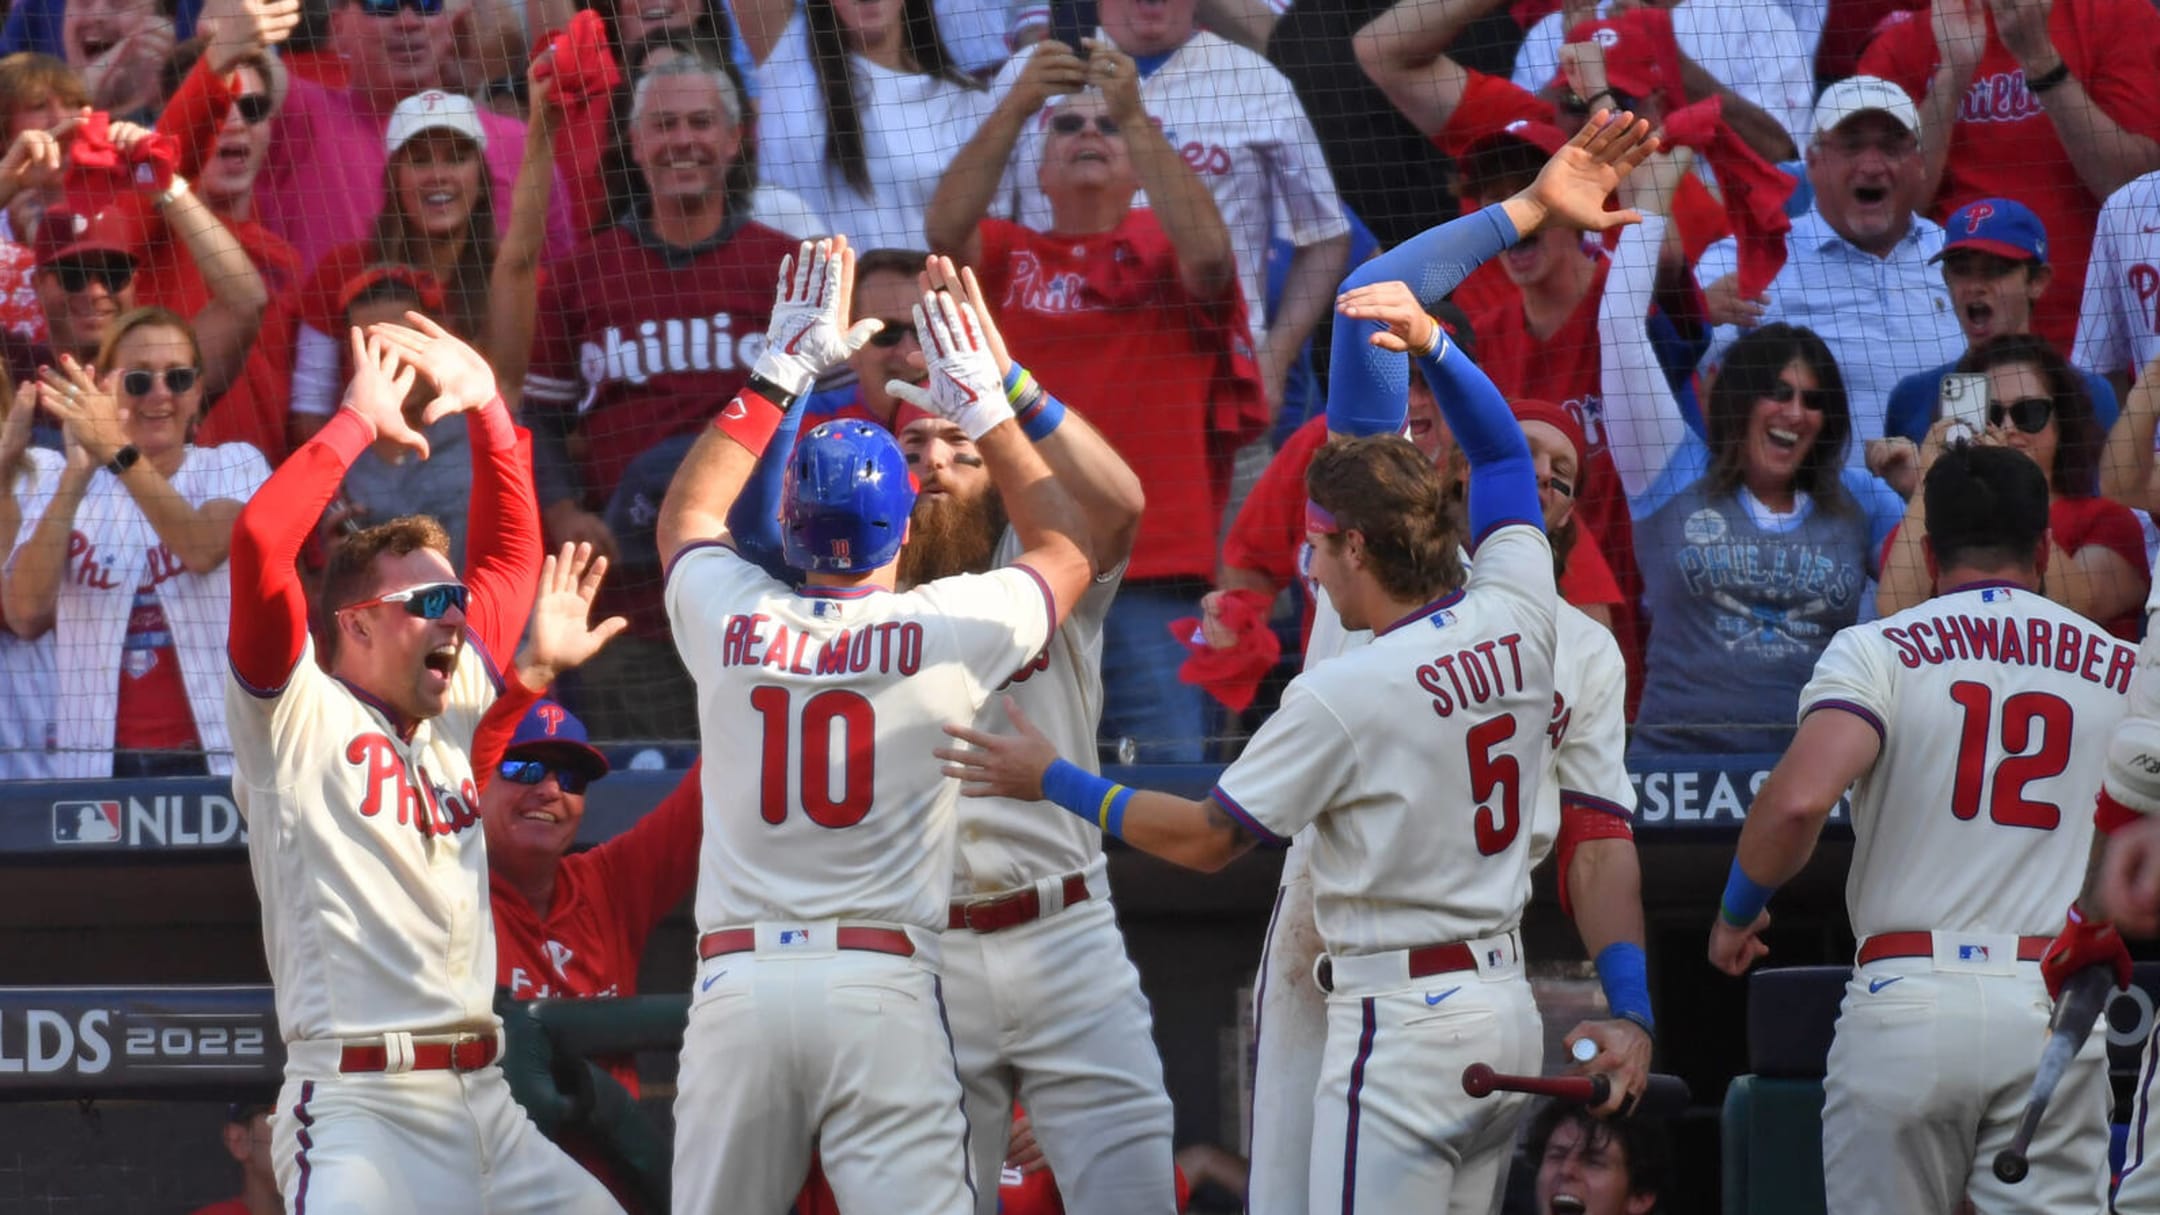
column 664, row 347
column 2144, row 279
column 551, row 718
column 2002, row 97
column 92, row 567
column 1037, row 290
column 428, row 807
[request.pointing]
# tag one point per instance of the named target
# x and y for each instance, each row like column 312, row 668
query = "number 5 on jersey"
column 834, row 789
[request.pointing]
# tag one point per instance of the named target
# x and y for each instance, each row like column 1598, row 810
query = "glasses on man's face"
column 141, row 383
column 1784, row 393
column 389, row 8
column 428, row 601
column 892, row 333
column 533, row 771
column 1892, row 144
column 253, row 108
column 113, row 275
column 1073, row 124
column 2029, row 414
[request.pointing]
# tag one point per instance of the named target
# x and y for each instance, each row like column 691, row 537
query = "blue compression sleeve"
column 1503, row 478
column 754, row 521
column 1368, row 388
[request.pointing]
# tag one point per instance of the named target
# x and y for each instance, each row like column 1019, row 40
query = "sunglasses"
column 428, row 601
column 76, row 277
column 389, row 8
column 533, row 771
column 254, row 108
column 1073, row 124
column 1783, row 393
column 891, row 334
column 2029, row 414
column 177, row 381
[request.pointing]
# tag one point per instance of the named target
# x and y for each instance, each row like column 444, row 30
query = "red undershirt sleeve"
column 269, row 606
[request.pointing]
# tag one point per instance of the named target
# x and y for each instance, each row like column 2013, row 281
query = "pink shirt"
column 322, row 185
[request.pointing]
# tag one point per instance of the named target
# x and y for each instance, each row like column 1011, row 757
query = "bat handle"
column 2010, row 1166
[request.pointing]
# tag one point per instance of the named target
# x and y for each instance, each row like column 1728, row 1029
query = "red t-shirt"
column 1105, row 322
column 153, row 711
column 2004, row 145
column 254, row 408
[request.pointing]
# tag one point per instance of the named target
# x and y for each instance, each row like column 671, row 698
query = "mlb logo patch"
column 1972, row 953
column 824, row 607
column 1493, row 957
column 1995, row 594
column 794, row 936
column 1442, row 619
column 86, row 822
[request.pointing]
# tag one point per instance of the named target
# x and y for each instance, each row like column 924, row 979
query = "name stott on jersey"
column 820, row 711
column 1995, row 706
column 1457, row 697
column 368, row 854
column 1004, row 843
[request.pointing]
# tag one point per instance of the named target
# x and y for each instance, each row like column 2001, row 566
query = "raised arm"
column 514, row 282
column 1404, row 51
column 2127, row 472
column 559, row 637
column 1181, row 202
column 1644, row 423
column 231, row 31
column 970, row 183
column 269, row 605
column 2106, row 154
column 30, row 592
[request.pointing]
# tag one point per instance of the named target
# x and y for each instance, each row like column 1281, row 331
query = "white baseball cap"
column 433, row 110
column 1856, row 95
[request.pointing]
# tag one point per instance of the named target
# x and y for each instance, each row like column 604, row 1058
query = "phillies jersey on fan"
column 2001, row 704
column 2118, row 329
column 1456, row 696
column 830, row 695
column 368, row 854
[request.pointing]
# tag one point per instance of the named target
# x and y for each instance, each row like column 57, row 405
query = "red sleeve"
column 1904, row 55
column 1269, row 527
column 492, row 737
column 651, row 867
column 2111, row 816
column 1488, row 104
column 581, row 141
column 2121, row 45
column 2100, row 521
column 1581, row 821
column 502, row 539
column 193, row 115
column 1587, row 580
column 269, row 607
column 1701, row 218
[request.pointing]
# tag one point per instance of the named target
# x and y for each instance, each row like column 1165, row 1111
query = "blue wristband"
column 1094, row 798
column 1744, row 897
column 1041, row 416
column 1623, row 972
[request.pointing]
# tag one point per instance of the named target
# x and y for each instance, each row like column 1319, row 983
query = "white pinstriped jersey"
column 367, row 854
column 1995, row 706
column 818, row 713
column 1004, row 844
column 1418, row 759
column 2118, row 329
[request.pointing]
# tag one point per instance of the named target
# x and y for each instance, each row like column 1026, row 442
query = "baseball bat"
column 2082, row 999
column 1664, row 1097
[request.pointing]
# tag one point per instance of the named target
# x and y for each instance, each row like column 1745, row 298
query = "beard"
column 950, row 536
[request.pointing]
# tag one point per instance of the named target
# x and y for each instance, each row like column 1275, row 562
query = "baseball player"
column 353, row 775
column 829, row 835
column 1044, row 1001
column 1415, row 902
column 1971, row 730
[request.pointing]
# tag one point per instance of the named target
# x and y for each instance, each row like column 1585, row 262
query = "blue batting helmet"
column 845, row 507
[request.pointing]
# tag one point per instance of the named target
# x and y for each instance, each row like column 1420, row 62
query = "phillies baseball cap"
column 2004, row 227
column 1641, row 57
column 1505, row 156
column 63, row 234
column 552, row 733
column 1856, row 95
column 433, row 110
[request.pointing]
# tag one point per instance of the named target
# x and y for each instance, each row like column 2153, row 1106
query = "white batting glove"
column 965, row 386
column 807, row 335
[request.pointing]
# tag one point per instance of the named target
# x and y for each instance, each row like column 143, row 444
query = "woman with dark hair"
column 438, row 218
column 2037, row 404
column 1755, row 541
column 862, row 110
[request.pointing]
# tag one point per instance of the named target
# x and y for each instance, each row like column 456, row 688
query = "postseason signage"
column 137, row 1041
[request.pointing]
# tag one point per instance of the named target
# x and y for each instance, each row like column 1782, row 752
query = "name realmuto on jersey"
column 429, row 807
column 1474, row 675
column 2018, row 642
column 662, row 347
column 887, row 647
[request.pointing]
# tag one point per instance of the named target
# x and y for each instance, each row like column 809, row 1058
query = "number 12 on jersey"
column 836, row 708
column 2035, row 722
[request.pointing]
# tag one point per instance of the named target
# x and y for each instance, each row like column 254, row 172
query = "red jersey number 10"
column 846, row 711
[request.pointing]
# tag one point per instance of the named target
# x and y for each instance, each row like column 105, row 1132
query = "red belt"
column 469, row 1055
column 1011, row 910
column 868, row 940
column 1922, row 945
column 1441, row 959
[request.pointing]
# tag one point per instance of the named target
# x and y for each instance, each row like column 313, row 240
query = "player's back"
column 1995, row 706
column 819, row 711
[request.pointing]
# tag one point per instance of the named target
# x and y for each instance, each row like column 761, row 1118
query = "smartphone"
column 1964, row 396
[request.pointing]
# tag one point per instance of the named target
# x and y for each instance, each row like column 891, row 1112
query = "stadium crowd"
column 1876, row 223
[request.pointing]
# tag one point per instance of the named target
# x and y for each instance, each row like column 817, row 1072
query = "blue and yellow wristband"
column 1096, row 799
column 1033, row 407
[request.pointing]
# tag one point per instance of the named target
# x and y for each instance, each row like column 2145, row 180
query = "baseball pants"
column 842, row 1049
column 433, row 1143
column 1053, row 1009
column 1392, row 1129
column 2139, row 1193
column 1928, row 1076
column 1290, row 1023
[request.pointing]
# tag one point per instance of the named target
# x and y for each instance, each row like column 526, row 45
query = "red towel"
column 1755, row 190
column 583, row 69
column 1231, row 675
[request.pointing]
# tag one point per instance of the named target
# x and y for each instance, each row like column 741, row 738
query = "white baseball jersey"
column 29, row 678
column 818, row 713
column 367, row 854
column 1004, row 844
column 2119, row 321
column 1418, row 758
column 1237, row 121
column 1587, row 730
column 1995, row 706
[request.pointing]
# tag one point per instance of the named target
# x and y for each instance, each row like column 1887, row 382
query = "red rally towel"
column 1231, row 675
column 1755, row 190
column 583, row 69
